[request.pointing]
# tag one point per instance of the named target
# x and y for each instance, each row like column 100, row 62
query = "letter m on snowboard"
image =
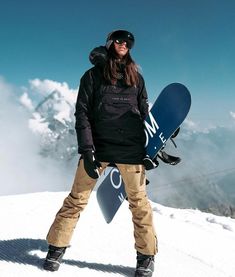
column 152, row 127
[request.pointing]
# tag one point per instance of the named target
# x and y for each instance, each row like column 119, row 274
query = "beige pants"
column 133, row 176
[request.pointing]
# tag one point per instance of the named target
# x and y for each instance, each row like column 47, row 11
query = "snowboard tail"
column 111, row 193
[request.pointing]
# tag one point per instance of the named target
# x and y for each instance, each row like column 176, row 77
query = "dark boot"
column 145, row 265
column 54, row 258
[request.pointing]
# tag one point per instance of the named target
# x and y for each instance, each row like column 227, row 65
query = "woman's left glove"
column 91, row 165
column 149, row 163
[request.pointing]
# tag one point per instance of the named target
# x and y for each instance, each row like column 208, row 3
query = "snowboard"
column 166, row 115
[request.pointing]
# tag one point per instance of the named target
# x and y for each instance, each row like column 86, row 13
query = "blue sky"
column 184, row 41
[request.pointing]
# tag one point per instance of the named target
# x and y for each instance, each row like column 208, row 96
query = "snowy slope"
column 191, row 243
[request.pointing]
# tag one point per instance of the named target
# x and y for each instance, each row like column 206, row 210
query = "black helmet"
column 120, row 35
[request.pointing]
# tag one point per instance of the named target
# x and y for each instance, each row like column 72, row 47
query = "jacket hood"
column 99, row 56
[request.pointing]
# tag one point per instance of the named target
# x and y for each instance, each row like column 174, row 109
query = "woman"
column 111, row 107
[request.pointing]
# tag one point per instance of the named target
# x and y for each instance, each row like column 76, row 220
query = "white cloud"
column 4, row 86
column 191, row 124
column 26, row 101
column 195, row 127
column 232, row 114
column 45, row 87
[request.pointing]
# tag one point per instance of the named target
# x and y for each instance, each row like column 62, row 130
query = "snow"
column 191, row 243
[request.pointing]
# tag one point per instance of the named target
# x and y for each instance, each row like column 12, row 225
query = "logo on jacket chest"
column 119, row 95
column 121, row 99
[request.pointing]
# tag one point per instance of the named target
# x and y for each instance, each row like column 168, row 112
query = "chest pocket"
column 116, row 101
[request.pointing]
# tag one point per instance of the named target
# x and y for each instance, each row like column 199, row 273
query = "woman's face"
column 120, row 48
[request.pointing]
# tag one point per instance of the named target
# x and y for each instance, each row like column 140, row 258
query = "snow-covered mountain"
column 53, row 120
column 191, row 243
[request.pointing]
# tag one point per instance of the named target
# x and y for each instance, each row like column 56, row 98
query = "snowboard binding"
column 166, row 158
column 169, row 159
column 163, row 156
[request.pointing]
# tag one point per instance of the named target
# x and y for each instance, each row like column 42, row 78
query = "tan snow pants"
column 61, row 230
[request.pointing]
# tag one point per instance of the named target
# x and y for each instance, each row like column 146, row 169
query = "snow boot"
column 54, row 258
column 145, row 265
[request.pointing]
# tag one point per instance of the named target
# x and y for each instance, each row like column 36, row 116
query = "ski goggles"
column 121, row 41
column 121, row 36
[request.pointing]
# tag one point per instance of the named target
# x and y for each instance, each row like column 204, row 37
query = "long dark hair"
column 112, row 68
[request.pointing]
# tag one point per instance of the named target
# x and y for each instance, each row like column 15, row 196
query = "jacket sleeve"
column 83, row 113
column 143, row 98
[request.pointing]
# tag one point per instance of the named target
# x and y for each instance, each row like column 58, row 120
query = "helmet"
column 120, row 35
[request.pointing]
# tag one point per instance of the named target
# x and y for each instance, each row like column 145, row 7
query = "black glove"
column 149, row 163
column 91, row 165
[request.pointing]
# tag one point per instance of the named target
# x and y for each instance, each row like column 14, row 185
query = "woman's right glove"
column 91, row 165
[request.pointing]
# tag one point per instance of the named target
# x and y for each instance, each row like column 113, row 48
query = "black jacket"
column 110, row 118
